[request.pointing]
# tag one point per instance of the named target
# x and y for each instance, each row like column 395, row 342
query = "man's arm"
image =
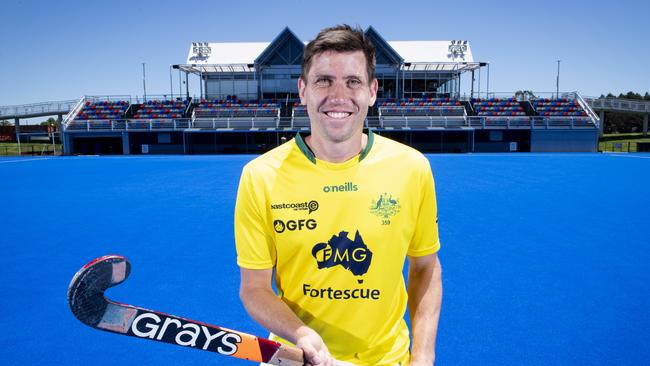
column 268, row 310
column 424, row 299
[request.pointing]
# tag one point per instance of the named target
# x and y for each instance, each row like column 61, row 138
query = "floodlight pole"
column 171, row 87
column 180, row 83
column 487, row 88
column 557, row 81
column 144, row 82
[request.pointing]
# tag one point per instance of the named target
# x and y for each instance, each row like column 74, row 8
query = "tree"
column 619, row 122
column 631, row 95
column 50, row 121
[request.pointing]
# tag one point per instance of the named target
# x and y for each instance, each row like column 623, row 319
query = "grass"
column 30, row 148
column 626, row 142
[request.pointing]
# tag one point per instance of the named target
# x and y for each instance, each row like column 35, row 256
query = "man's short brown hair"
column 340, row 38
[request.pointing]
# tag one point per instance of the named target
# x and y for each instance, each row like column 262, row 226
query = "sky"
column 60, row 50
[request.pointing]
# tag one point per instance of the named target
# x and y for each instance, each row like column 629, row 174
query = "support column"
column 602, row 123
column 471, row 94
column 645, row 125
column 125, row 144
column 187, row 86
column 17, row 129
column 67, row 140
column 59, row 126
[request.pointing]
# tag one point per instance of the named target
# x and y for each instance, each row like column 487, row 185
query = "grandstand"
column 249, row 103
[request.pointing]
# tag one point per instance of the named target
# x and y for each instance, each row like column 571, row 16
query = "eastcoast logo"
column 310, row 206
column 183, row 333
column 293, row 225
column 345, row 187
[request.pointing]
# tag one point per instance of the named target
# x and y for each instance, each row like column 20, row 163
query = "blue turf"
column 545, row 256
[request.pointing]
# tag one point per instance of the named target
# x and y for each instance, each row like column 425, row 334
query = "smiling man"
column 332, row 218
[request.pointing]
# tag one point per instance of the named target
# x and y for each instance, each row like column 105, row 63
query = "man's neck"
column 337, row 152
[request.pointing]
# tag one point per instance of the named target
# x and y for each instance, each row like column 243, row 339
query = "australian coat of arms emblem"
column 385, row 207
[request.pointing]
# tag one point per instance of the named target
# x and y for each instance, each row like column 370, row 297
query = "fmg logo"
column 353, row 255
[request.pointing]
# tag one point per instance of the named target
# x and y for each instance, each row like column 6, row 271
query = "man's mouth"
column 338, row 115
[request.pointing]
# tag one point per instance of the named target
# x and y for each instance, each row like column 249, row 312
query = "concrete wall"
column 564, row 140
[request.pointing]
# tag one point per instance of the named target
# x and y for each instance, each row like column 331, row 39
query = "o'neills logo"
column 345, row 187
column 310, row 206
column 173, row 330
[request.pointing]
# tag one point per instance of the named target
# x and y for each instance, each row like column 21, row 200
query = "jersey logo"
column 385, row 207
column 310, row 206
column 345, row 187
column 352, row 255
column 293, row 225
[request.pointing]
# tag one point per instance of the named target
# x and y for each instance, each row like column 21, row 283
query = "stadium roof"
column 207, row 57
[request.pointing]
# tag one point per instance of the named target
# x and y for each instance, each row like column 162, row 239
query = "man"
column 332, row 216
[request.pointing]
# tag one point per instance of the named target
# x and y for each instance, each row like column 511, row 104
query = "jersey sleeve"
column 425, row 239
column 254, row 243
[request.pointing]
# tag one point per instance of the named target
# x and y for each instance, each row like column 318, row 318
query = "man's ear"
column 374, row 85
column 301, row 90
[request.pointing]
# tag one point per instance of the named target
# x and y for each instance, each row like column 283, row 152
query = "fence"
column 618, row 146
column 11, row 149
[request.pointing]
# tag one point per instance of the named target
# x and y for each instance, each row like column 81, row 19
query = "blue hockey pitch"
column 545, row 256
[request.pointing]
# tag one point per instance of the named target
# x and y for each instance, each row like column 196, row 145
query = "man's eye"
column 354, row 83
column 323, row 82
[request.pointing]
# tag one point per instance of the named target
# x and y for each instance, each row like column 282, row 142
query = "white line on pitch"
column 21, row 160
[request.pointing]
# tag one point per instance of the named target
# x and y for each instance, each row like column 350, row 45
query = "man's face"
column 337, row 94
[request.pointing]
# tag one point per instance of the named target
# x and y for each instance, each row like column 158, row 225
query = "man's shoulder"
column 272, row 160
column 388, row 149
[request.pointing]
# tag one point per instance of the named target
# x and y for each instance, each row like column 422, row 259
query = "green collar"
column 310, row 154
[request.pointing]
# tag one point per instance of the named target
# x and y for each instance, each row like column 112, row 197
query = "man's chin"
column 338, row 136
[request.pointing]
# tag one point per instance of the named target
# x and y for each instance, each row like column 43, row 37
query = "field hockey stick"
column 88, row 304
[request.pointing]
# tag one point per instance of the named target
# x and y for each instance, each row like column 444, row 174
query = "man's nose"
column 338, row 92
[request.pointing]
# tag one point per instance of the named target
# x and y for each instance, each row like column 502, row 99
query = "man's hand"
column 314, row 349
column 414, row 362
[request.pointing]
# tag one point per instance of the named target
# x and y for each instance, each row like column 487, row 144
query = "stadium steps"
column 528, row 108
column 285, row 109
column 468, row 108
column 285, row 122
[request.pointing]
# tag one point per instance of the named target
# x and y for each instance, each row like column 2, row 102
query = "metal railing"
column 562, row 122
column 422, row 122
column 405, row 122
column 73, row 112
column 176, row 124
column 590, row 112
column 524, row 96
column 429, row 111
column 618, row 104
column 235, row 123
column 37, row 109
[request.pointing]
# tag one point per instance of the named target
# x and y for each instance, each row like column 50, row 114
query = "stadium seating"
column 99, row 115
column 299, row 116
column 560, row 113
column 558, row 108
column 162, row 109
column 495, row 107
column 237, row 114
column 103, row 110
column 421, row 112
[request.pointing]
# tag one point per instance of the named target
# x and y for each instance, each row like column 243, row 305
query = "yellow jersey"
column 338, row 235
